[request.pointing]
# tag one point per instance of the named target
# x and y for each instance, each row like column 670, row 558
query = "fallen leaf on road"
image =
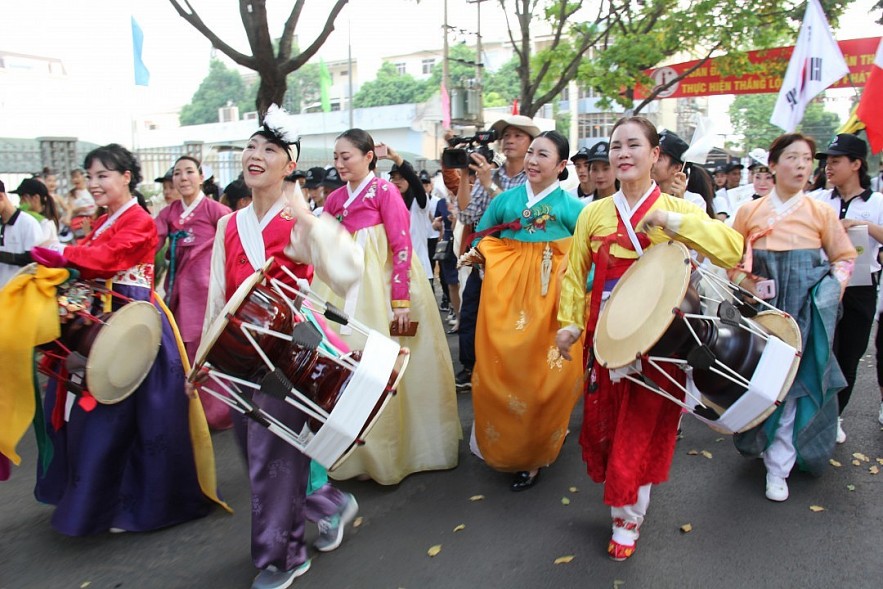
column 719, row 440
column 564, row 559
column 834, row 463
column 816, row 508
column 856, row 462
column 85, row 584
column 617, row 583
column 860, row 456
column 433, row 550
column 476, row 498
column 707, row 454
column 850, row 487
column 880, row 461
column 460, row 527
column 575, row 490
column 692, row 452
column 874, row 469
column 687, row 528
column 565, row 501
column 357, row 522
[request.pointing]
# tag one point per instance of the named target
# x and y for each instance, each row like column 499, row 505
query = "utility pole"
column 349, row 58
column 446, row 77
column 479, row 117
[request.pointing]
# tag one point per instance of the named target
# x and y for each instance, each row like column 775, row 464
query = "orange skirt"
column 523, row 392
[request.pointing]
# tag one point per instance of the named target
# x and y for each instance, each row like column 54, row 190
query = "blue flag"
column 142, row 76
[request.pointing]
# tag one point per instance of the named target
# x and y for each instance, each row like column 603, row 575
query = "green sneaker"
column 331, row 527
column 273, row 578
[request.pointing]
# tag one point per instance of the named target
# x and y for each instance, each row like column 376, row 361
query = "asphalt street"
column 739, row 539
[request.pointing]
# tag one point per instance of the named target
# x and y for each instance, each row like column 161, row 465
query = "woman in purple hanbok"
column 145, row 462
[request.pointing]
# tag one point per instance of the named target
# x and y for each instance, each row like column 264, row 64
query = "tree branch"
column 303, row 57
column 288, row 31
column 663, row 87
column 196, row 22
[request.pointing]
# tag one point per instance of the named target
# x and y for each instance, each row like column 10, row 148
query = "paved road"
column 739, row 539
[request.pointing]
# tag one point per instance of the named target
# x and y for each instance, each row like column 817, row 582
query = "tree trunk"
column 270, row 91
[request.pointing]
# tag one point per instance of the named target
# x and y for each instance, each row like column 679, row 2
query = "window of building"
column 427, row 65
column 597, row 125
column 400, row 67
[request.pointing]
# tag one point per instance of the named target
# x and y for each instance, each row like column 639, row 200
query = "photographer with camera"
column 515, row 133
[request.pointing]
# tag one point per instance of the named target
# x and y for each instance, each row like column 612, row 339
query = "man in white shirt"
column 19, row 232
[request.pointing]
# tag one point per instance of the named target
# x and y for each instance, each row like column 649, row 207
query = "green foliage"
column 390, row 87
column 304, row 88
column 221, row 85
column 649, row 33
column 750, row 115
column 503, row 83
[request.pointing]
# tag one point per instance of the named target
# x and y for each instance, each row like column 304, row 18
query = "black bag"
column 441, row 249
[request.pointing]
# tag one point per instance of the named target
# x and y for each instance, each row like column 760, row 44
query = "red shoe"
column 620, row 552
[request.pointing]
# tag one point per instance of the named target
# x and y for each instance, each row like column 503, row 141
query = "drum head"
column 639, row 310
column 210, row 337
column 781, row 325
column 123, row 352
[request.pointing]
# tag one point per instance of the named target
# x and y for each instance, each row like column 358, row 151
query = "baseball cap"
column 522, row 122
column 846, row 144
column 424, row 177
column 720, row 169
column 672, row 145
column 759, row 159
column 31, row 186
column 314, row 177
column 332, row 179
column 167, row 177
column 733, row 165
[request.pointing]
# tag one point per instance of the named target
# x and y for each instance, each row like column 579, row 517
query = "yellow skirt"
column 523, row 391
column 420, row 428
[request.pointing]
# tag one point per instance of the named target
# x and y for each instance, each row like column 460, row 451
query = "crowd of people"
column 524, row 268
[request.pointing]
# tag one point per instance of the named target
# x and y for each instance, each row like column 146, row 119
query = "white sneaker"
column 880, row 417
column 776, row 488
column 841, row 435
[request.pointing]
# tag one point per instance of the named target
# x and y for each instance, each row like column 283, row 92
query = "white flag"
column 815, row 64
column 703, row 142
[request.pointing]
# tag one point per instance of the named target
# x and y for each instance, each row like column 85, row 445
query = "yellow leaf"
column 687, row 528
column 850, row 487
column 433, row 550
column 476, row 498
column 719, row 440
column 357, row 522
column 834, row 463
column 707, row 454
column 856, row 462
column 880, row 461
column 575, row 490
column 816, row 508
column 617, row 583
column 874, row 469
column 565, row 501
column 564, row 559
column 460, row 527
column 85, row 584
column 860, row 456
column 692, row 452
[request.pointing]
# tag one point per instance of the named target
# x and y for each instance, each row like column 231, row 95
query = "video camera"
column 458, row 157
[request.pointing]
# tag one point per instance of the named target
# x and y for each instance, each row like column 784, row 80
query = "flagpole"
column 349, row 57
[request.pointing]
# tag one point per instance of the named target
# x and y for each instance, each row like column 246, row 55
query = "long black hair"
column 562, row 145
column 701, row 182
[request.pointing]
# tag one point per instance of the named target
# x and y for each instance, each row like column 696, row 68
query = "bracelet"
column 494, row 190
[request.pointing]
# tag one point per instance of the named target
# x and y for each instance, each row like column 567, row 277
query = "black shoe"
column 445, row 306
column 463, row 380
column 524, row 481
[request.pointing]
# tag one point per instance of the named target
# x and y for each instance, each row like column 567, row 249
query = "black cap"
column 720, row 169
column 582, row 154
column 425, row 177
column 295, row 175
column 596, row 153
column 332, row 179
column 168, row 176
column 314, row 177
column 672, row 145
column 733, row 165
column 846, row 144
column 31, row 186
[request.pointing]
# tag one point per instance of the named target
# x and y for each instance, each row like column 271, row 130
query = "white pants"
column 633, row 513
column 780, row 456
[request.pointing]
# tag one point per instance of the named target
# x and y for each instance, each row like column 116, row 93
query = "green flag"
column 324, row 86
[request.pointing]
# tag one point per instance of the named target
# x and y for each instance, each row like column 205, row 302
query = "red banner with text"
column 707, row 80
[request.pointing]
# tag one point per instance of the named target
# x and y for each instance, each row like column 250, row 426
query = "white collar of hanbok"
column 113, row 218
column 784, row 207
column 188, row 209
column 352, row 194
column 622, row 205
column 251, row 231
column 533, row 199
